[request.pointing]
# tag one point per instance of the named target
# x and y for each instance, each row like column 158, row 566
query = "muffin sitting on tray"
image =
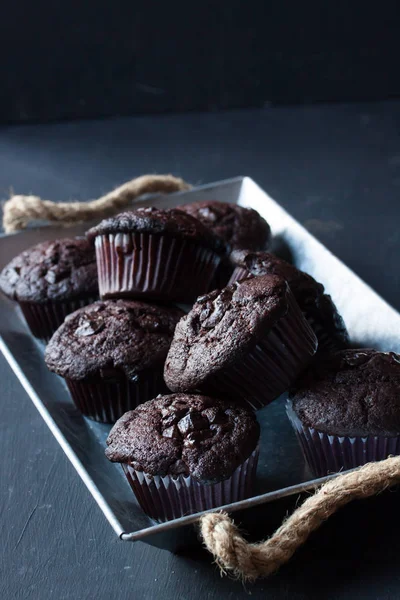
column 112, row 354
column 346, row 410
column 317, row 306
column 185, row 453
column 238, row 226
column 247, row 342
column 51, row 280
column 158, row 254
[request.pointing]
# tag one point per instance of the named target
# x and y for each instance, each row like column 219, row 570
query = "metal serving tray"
column 282, row 471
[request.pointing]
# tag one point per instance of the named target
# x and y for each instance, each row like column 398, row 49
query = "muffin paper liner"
column 271, row 366
column 327, row 454
column 107, row 400
column 326, row 343
column 238, row 274
column 153, row 266
column 43, row 319
column 166, row 498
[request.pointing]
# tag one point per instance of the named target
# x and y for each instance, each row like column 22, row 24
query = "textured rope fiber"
column 19, row 211
column 250, row 561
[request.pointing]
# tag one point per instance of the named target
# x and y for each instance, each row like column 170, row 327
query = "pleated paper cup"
column 158, row 267
column 238, row 274
column 326, row 454
column 271, row 366
column 166, row 498
column 45, row 318
column 326, row 343
column 106, row 400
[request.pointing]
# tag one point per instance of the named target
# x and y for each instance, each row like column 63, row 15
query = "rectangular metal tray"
column 282, row 471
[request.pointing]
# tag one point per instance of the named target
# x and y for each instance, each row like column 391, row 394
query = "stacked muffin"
column 237, row 348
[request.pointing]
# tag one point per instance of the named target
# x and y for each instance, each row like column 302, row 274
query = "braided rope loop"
column 19, row 211
column 250, row 561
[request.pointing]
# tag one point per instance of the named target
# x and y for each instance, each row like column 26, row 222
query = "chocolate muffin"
column 51, row 280
column 248, row 342
column 317, row 307
column 346, row 410
column 239, row 227
column 186, row 453
column 112, row 354
column 165, row 255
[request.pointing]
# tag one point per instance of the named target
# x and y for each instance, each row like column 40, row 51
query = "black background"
column 93, row 58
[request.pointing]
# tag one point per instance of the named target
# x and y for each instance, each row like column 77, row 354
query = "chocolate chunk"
column 54, row 275
column 195, row 437
column 51, row 276
column 192, row 421
column 212, row 315
column 222, row 427
column 89, row 327
column 171, row 432
column 214, row 415
column 12, row 274
column 185, row 425
column 170, row 419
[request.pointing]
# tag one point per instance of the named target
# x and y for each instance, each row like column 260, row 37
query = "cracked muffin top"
column 52, row 271
column 309, row 293
column 221, row 327
column 239, row 227
column 351, row 393
column 185, row 434
column 110, row 336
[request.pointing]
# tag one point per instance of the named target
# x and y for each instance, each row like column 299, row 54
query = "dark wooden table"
column 337, row 170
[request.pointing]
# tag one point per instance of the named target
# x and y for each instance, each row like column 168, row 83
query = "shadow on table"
column 358, row 544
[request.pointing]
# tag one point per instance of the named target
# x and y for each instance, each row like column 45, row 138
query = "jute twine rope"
column 19, row 211
column 248, row 561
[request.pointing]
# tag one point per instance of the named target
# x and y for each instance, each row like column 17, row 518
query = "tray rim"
column 157, row 527
column 192, row 519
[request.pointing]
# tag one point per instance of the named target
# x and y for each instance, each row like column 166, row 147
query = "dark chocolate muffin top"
column 55, row 271
column 158, row 221
column 185, row 434
column 351, row 393
column 310, row 294
column 221, row 327
column 110, row 336
column 239, row 227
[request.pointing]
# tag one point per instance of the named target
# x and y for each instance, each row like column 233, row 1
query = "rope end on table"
column 235, row 555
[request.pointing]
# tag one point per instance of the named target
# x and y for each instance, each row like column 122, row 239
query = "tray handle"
column 19, row 211
column 250, row 561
